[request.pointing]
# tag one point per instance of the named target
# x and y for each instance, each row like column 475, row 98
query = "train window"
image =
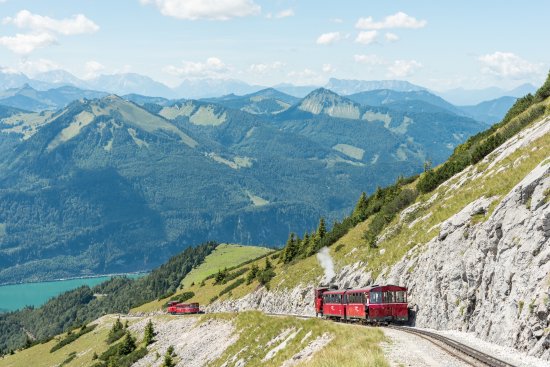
column 400, row 296
column 375, row 297
column 388, row 297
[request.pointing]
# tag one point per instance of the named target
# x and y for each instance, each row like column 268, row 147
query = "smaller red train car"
column 377, row 303
column 176, row 308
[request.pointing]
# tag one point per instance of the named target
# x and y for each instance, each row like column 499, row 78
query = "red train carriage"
column 372, row 304
column 176, row 308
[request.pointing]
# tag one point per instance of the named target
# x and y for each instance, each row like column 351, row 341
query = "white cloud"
column 329, row 38
column 33, row 67
column 391, row 37
column 93, row 69
column 368, row 59
column 403, row 68
column 24, row 44
column 212, row 67
column 206, row 9
column 336, row 20
column 366, row 37
column 263, row 68
column 327, row 68
column 397, row 20
column 78, row 24
column 509, row 65
column 285, row 13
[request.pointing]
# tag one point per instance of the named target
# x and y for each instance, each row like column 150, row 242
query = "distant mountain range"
column 119, row 184
column 131, row 83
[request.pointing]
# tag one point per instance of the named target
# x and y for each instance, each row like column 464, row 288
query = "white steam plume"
column 326, row 263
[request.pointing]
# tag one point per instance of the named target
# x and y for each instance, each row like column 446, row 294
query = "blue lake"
column 16, row 296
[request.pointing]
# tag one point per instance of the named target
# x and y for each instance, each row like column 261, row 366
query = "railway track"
column 461, row 351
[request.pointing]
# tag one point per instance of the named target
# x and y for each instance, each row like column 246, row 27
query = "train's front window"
column 375, row 297
column 401, row 296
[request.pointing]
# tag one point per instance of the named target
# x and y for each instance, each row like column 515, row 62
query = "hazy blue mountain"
column 209, row 87
column 57, row 78
column 10, row 80
column 490, row 112
column 28, row 98
column 299, row 91
column 128, row 83
column 350, row 86
column 266, row 101
column 402, row 100
column 461, row 96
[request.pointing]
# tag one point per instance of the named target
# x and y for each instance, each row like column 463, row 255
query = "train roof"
column 380, row 288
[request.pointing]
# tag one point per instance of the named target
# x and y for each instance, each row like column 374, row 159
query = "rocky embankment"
column 490, row 277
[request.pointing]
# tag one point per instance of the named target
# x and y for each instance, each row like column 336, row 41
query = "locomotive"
column 176, row 308
column 373, row 304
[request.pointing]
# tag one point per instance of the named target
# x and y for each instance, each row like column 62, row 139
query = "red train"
column 176, row 308
column 377, row 303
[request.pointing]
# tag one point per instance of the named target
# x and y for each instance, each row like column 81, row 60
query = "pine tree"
column 322, row 229
column 291, row 249
column 149, row 333
column 128, row 345
column 268, row 264
column 360, row 210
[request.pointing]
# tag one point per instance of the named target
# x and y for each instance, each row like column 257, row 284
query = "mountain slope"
column 490, row 111
column 266, row 101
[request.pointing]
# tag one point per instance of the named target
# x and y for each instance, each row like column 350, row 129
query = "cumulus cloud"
column 78, row 24
column 212, row 67
column 206, row 9
column 329, row 38
column 397, row 20
column 327, row 68
column 391, row 37
column 285, row 13
column 93, row 69
column 366, row 37
column 266, row 67
column 368, row 59
column 24, row 44
column 509, row 65
column 403, row 68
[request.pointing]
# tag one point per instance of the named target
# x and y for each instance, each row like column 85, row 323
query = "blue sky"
column 438, row 44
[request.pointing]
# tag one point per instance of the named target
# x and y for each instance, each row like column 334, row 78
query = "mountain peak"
column 351, row 86
column 325, row 101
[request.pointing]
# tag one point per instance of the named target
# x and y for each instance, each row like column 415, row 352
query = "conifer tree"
column 128, row 345
column 322, row 229
column 360, row 210
column 291, row 249
column 149, row 333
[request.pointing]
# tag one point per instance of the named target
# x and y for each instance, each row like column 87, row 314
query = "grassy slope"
column 351, row 345
column 85, row 346
column 224, row 256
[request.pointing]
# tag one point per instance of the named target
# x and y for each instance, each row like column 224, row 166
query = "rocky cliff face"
column 490, row 276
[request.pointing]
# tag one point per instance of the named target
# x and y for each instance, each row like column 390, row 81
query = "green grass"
column 77, row 353
column 351, row 345
column 224, row 256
